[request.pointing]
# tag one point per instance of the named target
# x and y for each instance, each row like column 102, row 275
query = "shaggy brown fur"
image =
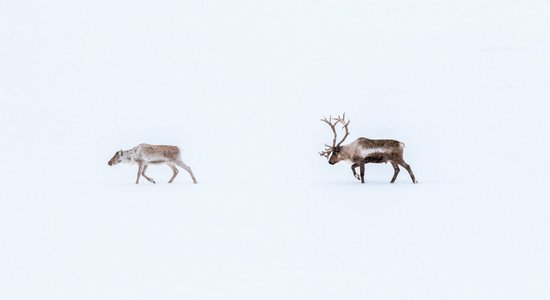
column 363, row 151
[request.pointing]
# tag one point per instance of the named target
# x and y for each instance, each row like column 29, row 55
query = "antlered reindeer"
column 363, row 151
column 145, row 154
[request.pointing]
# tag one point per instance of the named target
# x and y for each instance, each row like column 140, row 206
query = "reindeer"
column 145, row 154
column 363, row 151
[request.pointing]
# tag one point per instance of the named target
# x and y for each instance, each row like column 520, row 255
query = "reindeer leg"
column 175, row 170
column 395, row 171
column 408, row 168
column 186, row 168
column 353, row 167
column 146, row 177
column 362, row 170
column 140, row 171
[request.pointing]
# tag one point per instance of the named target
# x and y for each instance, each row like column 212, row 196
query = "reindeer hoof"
column 357, row 176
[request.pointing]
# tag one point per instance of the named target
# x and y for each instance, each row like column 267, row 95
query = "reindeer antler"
column 327, row 152
column 345, row 124
column 332, row 126
column 329, row 149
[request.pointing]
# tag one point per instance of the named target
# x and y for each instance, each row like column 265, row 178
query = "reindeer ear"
column 120, row 152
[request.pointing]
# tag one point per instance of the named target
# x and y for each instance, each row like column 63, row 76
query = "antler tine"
column 333, row 127
column 326, row 153
column 345, row 124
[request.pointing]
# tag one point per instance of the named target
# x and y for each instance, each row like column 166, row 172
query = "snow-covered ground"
column 240, row 87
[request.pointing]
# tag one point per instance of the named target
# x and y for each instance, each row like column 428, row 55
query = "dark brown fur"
column 390, row 151
column 363, row 151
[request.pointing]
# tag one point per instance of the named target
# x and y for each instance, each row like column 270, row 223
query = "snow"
column 240, row 87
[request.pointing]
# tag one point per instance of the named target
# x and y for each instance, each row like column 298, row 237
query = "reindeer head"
column 117, row 158
column 334, row 152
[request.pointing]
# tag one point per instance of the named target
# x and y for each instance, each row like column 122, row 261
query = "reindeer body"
column 363, row 151
column 373, row 150
column 145, row 154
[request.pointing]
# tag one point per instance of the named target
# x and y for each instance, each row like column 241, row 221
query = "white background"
column 240, row 87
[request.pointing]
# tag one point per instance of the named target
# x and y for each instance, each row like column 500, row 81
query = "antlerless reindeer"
column 363, row 151
column 145, row 154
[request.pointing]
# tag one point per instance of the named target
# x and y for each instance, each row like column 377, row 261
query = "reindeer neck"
column 130, row 155
column 347, row 152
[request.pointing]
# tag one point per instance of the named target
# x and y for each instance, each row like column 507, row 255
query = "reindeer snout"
column 110, row 163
